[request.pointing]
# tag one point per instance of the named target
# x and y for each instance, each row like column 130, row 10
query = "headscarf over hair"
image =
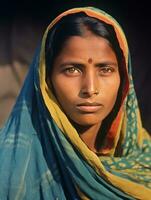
column 43, row 157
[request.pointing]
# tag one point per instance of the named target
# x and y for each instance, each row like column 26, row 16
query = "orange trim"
column 111, row 135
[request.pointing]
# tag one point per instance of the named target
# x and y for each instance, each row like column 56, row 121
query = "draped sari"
column 43, row 157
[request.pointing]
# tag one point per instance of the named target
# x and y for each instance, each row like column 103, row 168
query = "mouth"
column 89, row 107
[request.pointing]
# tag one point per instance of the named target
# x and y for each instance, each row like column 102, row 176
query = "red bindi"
column 90, row 60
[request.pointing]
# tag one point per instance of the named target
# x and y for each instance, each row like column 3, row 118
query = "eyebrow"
column 103, row 64
column 80, row 64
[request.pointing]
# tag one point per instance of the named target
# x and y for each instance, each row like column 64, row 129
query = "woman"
column 75, row 131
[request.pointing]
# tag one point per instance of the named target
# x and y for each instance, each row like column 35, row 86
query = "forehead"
column 87, row 47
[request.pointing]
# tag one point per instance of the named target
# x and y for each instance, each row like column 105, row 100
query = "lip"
column 89, row 107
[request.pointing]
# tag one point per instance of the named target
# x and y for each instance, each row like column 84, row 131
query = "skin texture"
column 85, row 79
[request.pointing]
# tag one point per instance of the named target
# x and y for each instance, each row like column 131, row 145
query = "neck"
column 89, row 135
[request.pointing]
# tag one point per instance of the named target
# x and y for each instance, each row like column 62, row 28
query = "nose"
column 90, row 84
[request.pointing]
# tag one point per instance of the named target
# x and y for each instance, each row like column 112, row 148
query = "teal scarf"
column 37, row 160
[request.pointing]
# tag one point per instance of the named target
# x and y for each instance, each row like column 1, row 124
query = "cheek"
column 112, row 91
column 64, row 92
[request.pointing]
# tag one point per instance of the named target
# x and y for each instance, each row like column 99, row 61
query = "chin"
column 87, row 121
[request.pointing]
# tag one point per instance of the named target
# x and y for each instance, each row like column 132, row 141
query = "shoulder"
column 20, row 154
column 15, row 148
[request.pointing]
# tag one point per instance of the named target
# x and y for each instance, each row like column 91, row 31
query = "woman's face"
column 85, row 78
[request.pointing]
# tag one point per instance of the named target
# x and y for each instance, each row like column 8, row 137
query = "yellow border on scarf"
column 133, row 189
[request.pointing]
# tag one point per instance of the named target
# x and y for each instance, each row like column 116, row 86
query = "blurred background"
column 22, row 25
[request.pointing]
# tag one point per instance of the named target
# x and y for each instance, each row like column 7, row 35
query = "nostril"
column 86, row 92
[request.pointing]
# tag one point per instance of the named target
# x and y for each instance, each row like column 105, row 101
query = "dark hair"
column 76, row 25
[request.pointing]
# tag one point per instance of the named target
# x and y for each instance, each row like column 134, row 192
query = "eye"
column 106, row 70
column 72, row 71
